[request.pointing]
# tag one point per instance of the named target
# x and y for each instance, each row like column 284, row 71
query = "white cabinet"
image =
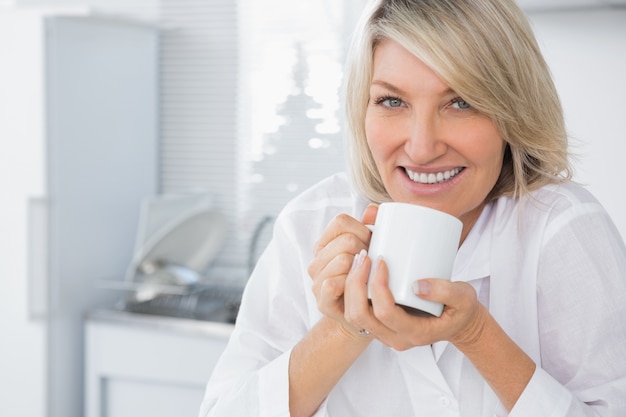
column 140, row 365
column 78, row 153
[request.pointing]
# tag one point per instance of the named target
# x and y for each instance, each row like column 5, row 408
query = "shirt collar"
column 473, row 258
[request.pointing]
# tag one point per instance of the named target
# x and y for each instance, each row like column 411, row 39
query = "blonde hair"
column 486, row 52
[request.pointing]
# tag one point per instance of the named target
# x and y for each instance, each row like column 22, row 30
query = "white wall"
column 23, row 337
column 141, row 9
column 586, row 50
column 122, row 4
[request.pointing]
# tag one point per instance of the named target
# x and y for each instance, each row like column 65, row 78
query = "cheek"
column 372, row 136
column 487, row 147
column 378, row 137
column 493, row 158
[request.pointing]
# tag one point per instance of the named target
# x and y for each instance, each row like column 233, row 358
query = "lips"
column 432, row 177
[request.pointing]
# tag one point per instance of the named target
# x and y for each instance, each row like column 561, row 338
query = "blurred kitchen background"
column 146, row 147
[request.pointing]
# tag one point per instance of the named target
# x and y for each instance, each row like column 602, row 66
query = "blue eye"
column 389, row 101
column 460, row 103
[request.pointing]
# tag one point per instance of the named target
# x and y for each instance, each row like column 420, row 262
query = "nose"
column 424, row 142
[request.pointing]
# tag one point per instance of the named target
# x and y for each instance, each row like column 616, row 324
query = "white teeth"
column 432, row 178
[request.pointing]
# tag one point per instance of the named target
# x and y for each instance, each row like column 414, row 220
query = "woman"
column 451, row 106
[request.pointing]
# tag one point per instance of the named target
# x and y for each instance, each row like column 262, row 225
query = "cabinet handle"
column 37, row 257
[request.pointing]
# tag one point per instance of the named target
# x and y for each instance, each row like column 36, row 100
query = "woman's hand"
column 334, row 255
column 461, row 323
column 465, row 323
column 340, row 271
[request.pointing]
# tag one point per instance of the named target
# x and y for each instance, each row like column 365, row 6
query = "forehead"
column 396, row 68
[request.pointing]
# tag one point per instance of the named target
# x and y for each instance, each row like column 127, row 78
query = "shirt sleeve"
column 581, row 288
column 543, row 396
column 251, row 377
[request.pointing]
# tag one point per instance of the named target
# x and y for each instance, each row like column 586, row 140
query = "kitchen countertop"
column 174, row 324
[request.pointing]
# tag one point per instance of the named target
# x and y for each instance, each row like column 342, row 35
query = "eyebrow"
column 386, row 85
column 399, row 91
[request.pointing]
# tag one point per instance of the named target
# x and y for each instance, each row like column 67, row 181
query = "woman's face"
column 431, row 148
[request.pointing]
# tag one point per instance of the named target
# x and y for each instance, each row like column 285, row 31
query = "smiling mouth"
column 433, row 177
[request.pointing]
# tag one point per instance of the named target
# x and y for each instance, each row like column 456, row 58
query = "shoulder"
column 563, row 196
column 564, row 203
column 550, row 208
column 549, row 200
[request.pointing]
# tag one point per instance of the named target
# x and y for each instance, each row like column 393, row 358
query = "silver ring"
column 364, row 332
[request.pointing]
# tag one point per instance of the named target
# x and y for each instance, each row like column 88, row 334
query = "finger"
column 332, row 289
column 384, row 305
column 340, row 225
column 336, row 257
column 444, row 291
column 330, row 296
column 357, row 308
column 336, row 268
column 383, row 311
column 369, row 215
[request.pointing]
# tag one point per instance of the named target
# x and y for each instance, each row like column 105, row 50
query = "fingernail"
column 358, row 259
column 421, row 287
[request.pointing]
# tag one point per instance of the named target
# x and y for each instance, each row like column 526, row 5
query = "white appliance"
column 78, row 153
column 178, row 238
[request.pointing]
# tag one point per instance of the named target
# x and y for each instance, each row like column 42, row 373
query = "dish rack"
column 199, row 302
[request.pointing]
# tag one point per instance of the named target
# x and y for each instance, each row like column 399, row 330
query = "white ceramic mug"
column 416, row 242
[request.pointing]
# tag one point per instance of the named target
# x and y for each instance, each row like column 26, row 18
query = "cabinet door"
column 131, row 398
column 141, row 371
column 101, row 85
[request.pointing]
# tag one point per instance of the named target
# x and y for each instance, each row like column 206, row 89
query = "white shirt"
column 550, row 267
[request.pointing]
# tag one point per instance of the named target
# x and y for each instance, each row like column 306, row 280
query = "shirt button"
column 444, row 401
